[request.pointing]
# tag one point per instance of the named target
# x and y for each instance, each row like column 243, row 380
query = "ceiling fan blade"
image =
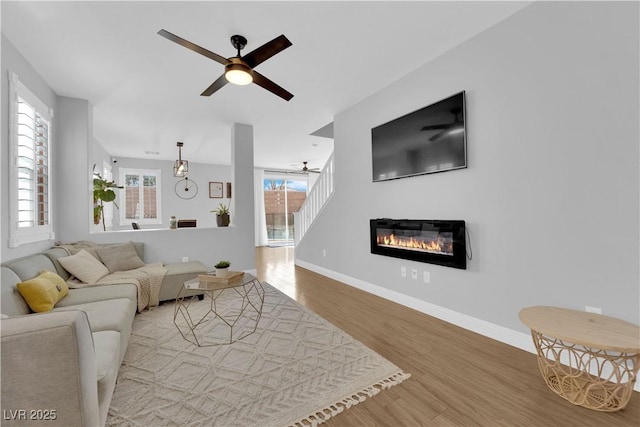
column 221, row 81
column 266, row 51
column 435, row 127
column 194, row 47
column 439, row 134
column 264, row 82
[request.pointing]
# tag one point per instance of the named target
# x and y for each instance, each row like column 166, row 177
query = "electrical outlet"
column 590, row 309
column 403, row 271
column 324, row 253
column 414, row 273
column 426, row 277
column 185, row 259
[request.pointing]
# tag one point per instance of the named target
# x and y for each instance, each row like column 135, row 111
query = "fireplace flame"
column 434, row 246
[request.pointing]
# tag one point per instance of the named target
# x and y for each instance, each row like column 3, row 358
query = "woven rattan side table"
column 229, row 312
column 589, row 359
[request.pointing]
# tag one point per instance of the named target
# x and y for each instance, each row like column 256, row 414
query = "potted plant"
column 222, row 268
column 222, row 215
column 102, row 192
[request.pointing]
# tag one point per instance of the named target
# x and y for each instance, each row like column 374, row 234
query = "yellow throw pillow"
column 43, row 291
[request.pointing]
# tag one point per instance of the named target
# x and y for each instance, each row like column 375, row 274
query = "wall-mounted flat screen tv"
column 431, row 139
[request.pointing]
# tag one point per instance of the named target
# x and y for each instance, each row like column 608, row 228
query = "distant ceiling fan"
column 447, row 128
column 240, row 70
column 305, row 168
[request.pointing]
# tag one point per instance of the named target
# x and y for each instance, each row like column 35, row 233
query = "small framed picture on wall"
column 228, row 190
column 215, row 190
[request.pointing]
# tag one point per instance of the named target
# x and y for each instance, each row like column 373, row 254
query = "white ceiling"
column 145, row 89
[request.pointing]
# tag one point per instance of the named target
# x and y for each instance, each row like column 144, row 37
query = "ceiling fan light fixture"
column 238, row 73
column 180, row 167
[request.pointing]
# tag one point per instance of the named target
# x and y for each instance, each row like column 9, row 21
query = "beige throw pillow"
column 84, row 266
column 120, row 257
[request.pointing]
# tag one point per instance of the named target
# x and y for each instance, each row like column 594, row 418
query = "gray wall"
column 12, row 60
column 551, row 194
column 197, row 208
column 73, row 132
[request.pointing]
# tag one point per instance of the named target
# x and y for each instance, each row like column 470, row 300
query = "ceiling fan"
column 447, row 128
column 305, row 168
column 240, row 70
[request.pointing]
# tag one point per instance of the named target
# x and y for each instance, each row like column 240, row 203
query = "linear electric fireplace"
column 433, row 241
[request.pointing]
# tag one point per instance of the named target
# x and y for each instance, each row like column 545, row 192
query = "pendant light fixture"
column 180, row 167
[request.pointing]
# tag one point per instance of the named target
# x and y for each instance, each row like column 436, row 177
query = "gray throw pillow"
column 119, row 257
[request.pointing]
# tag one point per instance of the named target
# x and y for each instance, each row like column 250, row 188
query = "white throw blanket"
column 147, row 279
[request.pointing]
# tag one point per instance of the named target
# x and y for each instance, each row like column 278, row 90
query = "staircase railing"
column 316, row 199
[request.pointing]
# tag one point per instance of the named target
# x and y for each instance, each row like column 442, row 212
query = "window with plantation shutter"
column 141, row 196
column 30, row 148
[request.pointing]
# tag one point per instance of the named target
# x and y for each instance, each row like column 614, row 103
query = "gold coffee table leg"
column 200, row 322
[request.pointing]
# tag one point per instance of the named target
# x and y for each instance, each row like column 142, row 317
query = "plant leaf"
column 108, row 196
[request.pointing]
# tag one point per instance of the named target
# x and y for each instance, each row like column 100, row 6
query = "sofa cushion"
column 99, row 293
column 177, row 274
column 44, row 291
column 122, row 257
column 107, row 349
column 55, row 253
column 12, row 302
column 30, row 266
column 83, row 266
column 108, row 315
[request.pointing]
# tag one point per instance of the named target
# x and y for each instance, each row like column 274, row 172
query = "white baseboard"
column 499, row 333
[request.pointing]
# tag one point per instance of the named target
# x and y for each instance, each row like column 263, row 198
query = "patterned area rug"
column 296, row 369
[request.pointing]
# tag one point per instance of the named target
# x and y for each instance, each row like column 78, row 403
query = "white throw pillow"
column 84, row 266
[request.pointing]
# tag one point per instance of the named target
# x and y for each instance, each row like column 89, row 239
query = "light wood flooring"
column 458, row 378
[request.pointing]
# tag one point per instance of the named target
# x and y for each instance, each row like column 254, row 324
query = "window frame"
column 122, row 172
column 107, row 208
column 19, row 236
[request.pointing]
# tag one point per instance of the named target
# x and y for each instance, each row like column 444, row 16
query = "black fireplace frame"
column 456, row 227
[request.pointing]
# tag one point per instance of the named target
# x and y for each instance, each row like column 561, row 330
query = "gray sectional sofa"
column 60, row 367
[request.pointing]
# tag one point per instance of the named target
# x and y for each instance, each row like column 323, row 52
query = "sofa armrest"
column 48, row 370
